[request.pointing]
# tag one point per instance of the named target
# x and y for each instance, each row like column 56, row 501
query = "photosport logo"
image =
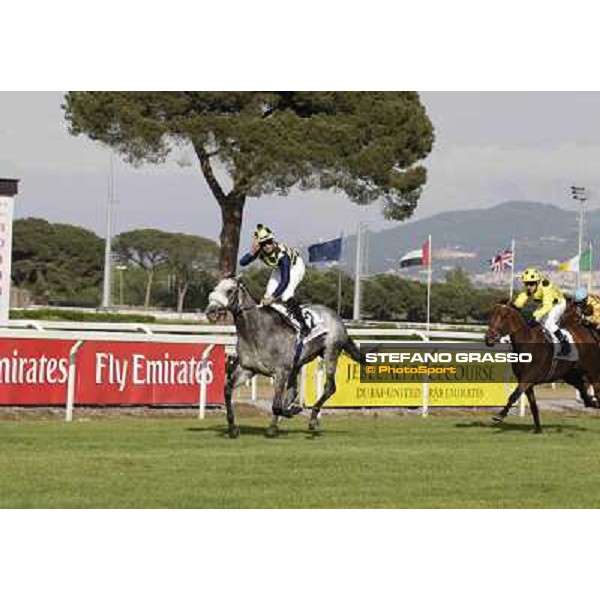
column 439, row 363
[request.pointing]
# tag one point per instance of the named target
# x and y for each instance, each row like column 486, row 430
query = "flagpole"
column 512, row 270
column 357, row 269
column 339, row 296
column 429, row 286
column 591, row 266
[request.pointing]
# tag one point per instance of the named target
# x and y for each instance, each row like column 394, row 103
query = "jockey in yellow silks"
column 551, row 304
column 589, row 305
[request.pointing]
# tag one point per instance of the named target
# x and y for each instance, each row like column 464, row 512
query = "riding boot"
column 564, row 343
column 295, row 310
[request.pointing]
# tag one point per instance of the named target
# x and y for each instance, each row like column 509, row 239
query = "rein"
column 240, row 310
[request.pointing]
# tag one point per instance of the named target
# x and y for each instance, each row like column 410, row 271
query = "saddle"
column 312, row 319
column 573, row 355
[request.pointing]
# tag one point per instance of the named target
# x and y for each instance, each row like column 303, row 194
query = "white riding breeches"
column 296, row 275
column 551, row 319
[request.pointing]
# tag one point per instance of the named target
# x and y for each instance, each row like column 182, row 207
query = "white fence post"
column 203, row 383
column 425, row 388
column 522, row 405
column 254, row 388
column 425, row 409
column 71, row 380
column 302, row 390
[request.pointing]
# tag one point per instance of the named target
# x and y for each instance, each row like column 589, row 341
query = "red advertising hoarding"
column 35, row 371
column 147, row 373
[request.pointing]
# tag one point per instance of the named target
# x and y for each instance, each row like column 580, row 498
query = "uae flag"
column 417, row 258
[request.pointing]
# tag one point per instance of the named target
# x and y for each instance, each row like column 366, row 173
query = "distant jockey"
column 288, row 271
column 551, row 304
column 589, row 304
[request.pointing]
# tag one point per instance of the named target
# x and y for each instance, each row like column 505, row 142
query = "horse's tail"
column 352, row 349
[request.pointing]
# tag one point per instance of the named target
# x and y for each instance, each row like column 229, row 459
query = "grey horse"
column 267, row 345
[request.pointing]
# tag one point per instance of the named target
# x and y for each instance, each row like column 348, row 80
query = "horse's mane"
column 245, row 289
column 268, row 309
column 507, row 303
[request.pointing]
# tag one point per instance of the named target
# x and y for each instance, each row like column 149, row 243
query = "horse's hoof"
column 271, row 431
column 313, row 425
column 291, row 411
column 537, row 430
column 234, row 432
column 497, row 420
column 277, row 411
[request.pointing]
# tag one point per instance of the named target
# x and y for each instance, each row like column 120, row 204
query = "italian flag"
column 417, row 258
column 577, row 263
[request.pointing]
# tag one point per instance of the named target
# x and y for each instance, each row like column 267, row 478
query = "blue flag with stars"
column 326, row 251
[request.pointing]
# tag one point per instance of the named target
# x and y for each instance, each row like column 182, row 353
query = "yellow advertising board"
column 352, row 393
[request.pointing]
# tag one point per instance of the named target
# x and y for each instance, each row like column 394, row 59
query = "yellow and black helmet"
column 531, row 275
column 263, row 234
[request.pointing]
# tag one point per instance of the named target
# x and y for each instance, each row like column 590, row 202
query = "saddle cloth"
column 573, row 353
column 313, row 320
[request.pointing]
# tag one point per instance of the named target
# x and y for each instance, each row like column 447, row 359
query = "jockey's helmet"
column 531, row 275
column 263, row 234
column 581, row 294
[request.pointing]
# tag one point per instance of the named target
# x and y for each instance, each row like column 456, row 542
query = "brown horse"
column 544, row 367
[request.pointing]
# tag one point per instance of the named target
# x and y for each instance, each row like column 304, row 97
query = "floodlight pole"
column 339, row 290
column 579, row 194
column 107, row 285
column 357, row 273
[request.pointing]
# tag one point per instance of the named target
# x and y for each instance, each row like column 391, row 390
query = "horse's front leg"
column 236, row 375
column 277, row 406
column 520, row 389
column 537, row 427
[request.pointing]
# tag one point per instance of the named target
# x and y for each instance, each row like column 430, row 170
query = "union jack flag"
column 502, row 260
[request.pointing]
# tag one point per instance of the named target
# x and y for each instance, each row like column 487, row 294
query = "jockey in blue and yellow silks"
column 550, row 300
column 288, row 271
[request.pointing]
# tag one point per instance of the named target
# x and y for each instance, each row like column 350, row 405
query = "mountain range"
column 470, row 238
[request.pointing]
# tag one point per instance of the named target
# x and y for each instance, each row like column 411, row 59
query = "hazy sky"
column 490, row 147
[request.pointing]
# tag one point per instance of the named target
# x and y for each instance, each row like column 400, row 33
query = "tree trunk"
column 149, row 279
column 232, row 210
column 181, row 293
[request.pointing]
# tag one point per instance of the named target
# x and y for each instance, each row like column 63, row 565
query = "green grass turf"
column 405, row 461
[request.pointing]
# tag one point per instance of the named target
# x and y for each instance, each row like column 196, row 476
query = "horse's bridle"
column 493, row 336
column 225, row 305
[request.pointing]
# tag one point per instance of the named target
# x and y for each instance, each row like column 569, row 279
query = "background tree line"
column 62, row 265
column 389, row 297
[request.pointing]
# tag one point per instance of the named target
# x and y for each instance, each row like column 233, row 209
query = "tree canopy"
column 190, row 258
column 59, row 264
column 146, row 248
column 366, row 144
